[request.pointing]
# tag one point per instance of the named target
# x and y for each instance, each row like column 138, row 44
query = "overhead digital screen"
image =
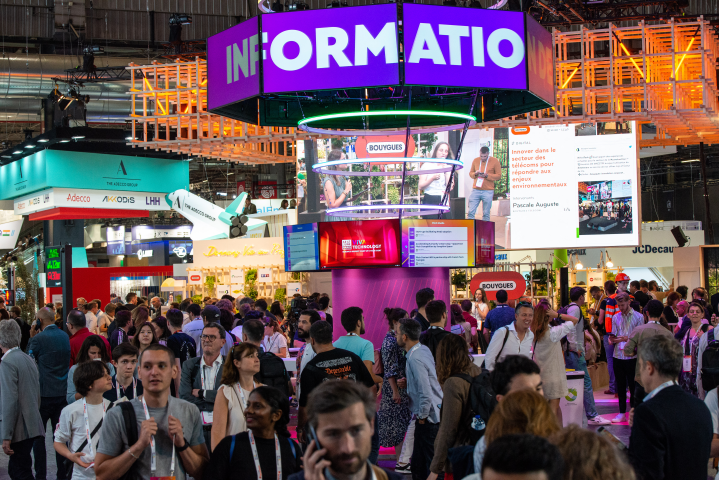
column 484, row 243
column 361, row 243
column 437, row 243
column 579, row 179
column 301, row 247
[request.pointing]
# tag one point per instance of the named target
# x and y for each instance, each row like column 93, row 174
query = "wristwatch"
column 184, row 447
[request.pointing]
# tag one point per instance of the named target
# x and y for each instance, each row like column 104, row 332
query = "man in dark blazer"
column 201, row 376
column 21, row 422
column 671, row 430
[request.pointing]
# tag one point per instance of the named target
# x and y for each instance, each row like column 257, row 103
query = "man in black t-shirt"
column 330, row 363
column 423, row 297
column 181, row 344
column 639, row 295
column 436, row 311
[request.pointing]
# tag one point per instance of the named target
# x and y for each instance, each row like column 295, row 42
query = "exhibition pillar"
column 375, row 289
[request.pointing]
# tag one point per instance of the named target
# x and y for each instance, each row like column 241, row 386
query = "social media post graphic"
column 484, row 243
column 301, row 247
column 605, row 208
column 361, row 243
column 437, row 243
column 529, row 181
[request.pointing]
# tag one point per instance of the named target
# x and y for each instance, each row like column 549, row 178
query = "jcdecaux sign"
column 360, row 47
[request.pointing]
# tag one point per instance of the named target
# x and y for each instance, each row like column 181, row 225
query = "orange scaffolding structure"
column 172, row 103
column 660, row 74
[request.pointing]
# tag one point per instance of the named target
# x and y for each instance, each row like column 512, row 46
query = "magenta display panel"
column 484, row 243
column 359, row 243
column 540, row 65
column 330, row 48
column 233, row 64
column 464, row 47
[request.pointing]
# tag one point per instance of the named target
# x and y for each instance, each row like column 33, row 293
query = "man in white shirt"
column 91, row 310
column 514, row 339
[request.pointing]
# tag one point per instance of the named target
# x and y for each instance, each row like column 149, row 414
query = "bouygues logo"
column 520, row 130
column 491, row 282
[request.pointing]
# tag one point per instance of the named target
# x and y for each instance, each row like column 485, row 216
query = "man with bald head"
column 50, row 347
column 156, row 303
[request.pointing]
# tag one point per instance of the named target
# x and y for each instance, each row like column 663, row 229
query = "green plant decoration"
column 210, row 283
column 251, row 275
column 459, row 279
column 26, row 285
column 539, row 275
column 280, row 295
column 197, row 299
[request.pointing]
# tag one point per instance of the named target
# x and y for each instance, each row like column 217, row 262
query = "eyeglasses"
column 211, row 338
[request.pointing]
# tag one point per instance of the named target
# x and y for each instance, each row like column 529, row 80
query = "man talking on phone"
column 485, row 171
column 340, row 420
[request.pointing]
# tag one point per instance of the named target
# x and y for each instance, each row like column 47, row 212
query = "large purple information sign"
column 464, row 47
column 333, row 48
column 233, row 68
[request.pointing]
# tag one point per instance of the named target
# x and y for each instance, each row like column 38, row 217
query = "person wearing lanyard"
column 79, row 420
column 228, row 417
column 425, row 395
column 485, row 171
column 124, row 383
column 274, row 454
column 623, row 324
column 500, row 316
column 170, row 440
column 201, row 376
column 437, row 315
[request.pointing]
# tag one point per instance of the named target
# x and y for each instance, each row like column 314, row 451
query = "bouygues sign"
column 491, row 282
column 384, row 146
column 356, row 47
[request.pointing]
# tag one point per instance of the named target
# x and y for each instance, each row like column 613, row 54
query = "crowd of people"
column 141, row 389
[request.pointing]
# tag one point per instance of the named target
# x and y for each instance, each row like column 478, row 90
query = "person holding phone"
column 266, row 450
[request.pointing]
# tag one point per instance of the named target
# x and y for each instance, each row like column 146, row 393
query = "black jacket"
column 391, row 475
column 671, row 437
column 431, row 338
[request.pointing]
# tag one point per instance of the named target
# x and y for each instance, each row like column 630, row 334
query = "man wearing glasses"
column 201, row 375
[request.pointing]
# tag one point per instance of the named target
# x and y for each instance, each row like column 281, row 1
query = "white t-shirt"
column 437, row 187
column 712, row 404
column 274, row 343
column 71, row 428
column 237, row 331
column 91, row 320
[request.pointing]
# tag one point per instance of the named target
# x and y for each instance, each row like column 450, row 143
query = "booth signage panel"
column 237, row 290
column 239, row 252
column 80, row 198
column 152, row 232
column 223, row 290
column 233, row 67
column 293, row 288
column 53, row 267
column 491, row 282
column 237, row 276
column 540, row 61
column 264, row 275
column 9, row 233
column 464, row 47
column 194, row 278
column 330, row 48
column 55, row 168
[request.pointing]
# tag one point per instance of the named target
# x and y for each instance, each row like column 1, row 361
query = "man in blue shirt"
column 500, row 316
column 50, row 348
column 425, row 395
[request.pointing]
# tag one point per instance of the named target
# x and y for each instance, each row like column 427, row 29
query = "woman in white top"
column 480, row 307
column 92, row 379
column 435, row 184
column 547, row 352
column 238, row 373
column 275, row 341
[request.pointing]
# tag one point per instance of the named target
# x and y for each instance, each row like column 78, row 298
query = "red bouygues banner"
column 491, row 282
column 362, row 243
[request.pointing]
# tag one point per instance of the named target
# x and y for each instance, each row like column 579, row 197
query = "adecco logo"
column 513, row 282
column 78, row 198
column 520, row 130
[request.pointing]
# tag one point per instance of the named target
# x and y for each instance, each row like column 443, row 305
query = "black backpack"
column 273, row 372
column 710, row 364
column 130, row 419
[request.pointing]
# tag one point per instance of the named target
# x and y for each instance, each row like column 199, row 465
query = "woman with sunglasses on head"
column 237, row 382
column 547, row 351
column 275, row 341
column 144, row 338
column 266, row 450
column 93, row 349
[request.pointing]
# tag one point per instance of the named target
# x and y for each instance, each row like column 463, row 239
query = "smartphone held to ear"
column 313, row 436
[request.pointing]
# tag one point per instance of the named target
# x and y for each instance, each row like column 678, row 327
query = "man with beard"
column 342, row 414
column 306, row 353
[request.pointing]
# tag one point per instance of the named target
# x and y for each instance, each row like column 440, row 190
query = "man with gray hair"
column 156, row 303
column 671, row 430
column 50, row 347
column 20, row 423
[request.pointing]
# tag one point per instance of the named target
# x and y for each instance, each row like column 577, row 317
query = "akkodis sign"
column 356, row 47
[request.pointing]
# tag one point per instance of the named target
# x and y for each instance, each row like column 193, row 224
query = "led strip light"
column 323, row 167
column 370, row 211
column 304, row 123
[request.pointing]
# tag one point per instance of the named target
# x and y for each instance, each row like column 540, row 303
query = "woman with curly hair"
column 455, row 371
column 547, row 352
column 588, row 456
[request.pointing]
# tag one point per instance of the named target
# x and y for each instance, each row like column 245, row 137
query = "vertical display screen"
column 438, row 243
column 484, row 243
column 361, row 243
column 301, row 248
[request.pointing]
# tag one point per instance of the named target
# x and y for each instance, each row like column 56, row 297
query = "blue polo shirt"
column 500, row 316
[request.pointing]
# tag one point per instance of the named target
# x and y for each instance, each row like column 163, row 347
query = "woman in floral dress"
column 394, row 414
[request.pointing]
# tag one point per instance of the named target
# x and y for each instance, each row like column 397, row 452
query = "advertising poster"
column 293, row 288
column 364, row 243
column 264, row 275
column 237, row 290
column 223, row 290
column 9, row 233
column 237, row 276
column 195, row 278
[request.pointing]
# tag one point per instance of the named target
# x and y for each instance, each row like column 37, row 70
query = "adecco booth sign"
column 491, row 282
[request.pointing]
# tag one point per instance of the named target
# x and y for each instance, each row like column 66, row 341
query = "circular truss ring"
column 443, row 165
column 371, row 211
column 303, row 124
